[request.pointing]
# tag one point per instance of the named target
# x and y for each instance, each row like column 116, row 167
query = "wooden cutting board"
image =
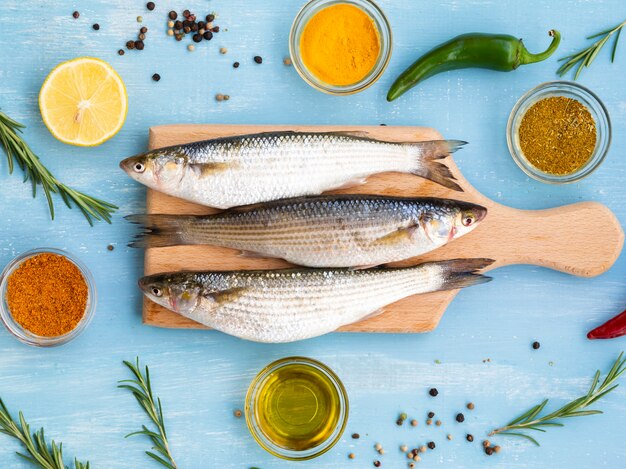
column 582, row 239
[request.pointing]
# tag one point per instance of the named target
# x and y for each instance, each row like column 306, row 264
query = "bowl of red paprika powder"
column 48, row 297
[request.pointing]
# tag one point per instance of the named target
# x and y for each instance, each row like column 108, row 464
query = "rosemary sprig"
column 530, row 420
column 585, row 57
column 142, row 390
column 19, row 152
column 39, row 452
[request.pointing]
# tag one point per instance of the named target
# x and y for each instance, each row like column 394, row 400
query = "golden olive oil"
column 298, row 406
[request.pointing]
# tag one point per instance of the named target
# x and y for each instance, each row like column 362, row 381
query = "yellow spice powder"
column 340, row 44
column 558, row 135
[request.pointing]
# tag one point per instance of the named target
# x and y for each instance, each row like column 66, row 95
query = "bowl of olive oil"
column 296, row 408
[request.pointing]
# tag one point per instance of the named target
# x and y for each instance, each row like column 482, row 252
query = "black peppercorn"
column 208, row 35
column 216, row 29
column 150, row 6
column 130, row 45
column 156, row 77
column 201, row 24
column 431, row 444
column 96, row 26
column 209, row 18
column 258, row 59
column 460, row 417
column 376, row 463
column 469, row 437
column 194, row 27
column 433, row 392
column 186, row 13
column 75, row 15
column 173, row 15
column 139, row 45
column 178, row 24
column 179, row 37
column 187, row 29
column 236, row 65
column 489, row 450
column 120, row 52
column 536, row 345
column 143, row 30
column 141, row 36
column 197, row 38
column 431, row 415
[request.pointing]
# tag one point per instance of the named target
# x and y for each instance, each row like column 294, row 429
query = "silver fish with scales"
column 294, row 304
column 242, row 170
column 322, row 231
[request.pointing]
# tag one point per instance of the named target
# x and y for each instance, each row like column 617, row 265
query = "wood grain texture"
column 559, row 238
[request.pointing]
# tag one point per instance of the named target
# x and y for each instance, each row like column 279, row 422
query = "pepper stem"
column 528, row 58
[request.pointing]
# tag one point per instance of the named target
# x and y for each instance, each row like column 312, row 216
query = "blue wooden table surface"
column 481, row 351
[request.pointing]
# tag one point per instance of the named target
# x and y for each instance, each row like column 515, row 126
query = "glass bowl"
column 384, row 33
column 567, row 89
column 25, row 335
column 252, row 418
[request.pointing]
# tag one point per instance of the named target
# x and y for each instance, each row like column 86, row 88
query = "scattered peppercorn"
column 150, row 6
column 258, row 59
column 215, row 29
column 236, row 65
column 411, row 465
column 139, row 45
column 414, row 423
column 438, row 423
column 378, row 446
column 186, row 13
column 287, row 61
column 460, row 417
column 219, row 97
column 356, row 436
column 110, row 247
column 156, row 77
column 377, row 463
column 178, row 24
column 416, row 458
column 431, row 415
column 170, row 32
column 141, row 37
column 423, row 448
column 237, row 413
column 130, row 45
column 469, row 437
column 433, row 392
column 489, row 451
column 96, row 27
column 210, row 18
column 486, row 443
column 143, row 30
column 187, row 29
column 470, row 405
column 429, row 422
column 178, row 37
column 351, row 456
column 208, row 35
column 140, row 19
column 536, row 345
column 197, row 38
column 381, row 451
column 411, row 454
column 496, row 449
column 449, row 437
column 194, row 27
column 120, row 52
column 404, row 448
column 191, row 48
column 431, row 444
column 172, row 15
column 76, row 15
column 399, row 422
column 223, row 50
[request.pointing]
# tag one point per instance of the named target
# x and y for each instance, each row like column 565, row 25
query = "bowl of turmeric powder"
column 48, row 297
column 340, row 47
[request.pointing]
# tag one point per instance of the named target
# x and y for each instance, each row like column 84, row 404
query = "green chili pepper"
column 493, row 51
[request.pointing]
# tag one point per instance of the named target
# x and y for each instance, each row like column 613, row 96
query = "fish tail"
column 428, row 165
column 461, row 273
column 158, row 230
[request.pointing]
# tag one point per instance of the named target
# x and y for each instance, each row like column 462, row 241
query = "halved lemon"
column 83, row 102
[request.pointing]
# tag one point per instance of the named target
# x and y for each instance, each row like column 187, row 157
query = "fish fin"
column 461, row 273
column 378, row 312
column 398, row 235
column 352, row 183
column 227, row 296
column 364, row 267
column 207, row 169
column 429, row 168
column 158, row 230
column 252, row 255
column 351, row 133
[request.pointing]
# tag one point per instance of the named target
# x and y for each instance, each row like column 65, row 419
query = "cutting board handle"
column 583, row 239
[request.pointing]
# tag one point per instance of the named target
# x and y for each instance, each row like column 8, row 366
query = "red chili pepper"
column 615, row 327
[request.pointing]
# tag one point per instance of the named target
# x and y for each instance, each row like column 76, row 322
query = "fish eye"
column 468, row 219
column 156, row 291
column 139, row 167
